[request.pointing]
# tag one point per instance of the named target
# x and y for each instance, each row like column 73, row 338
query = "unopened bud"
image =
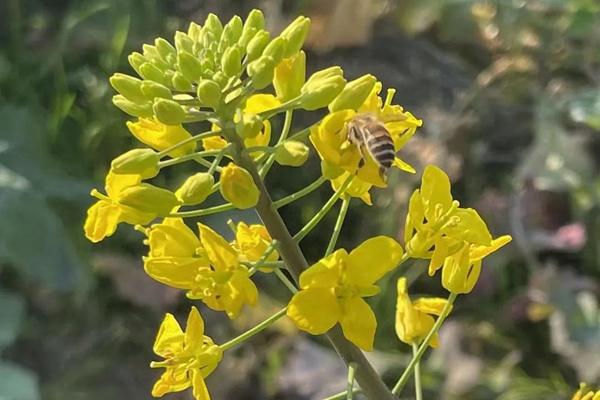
column 151, row 72
column 276, row 49
column 149, row 198
column 231, row 63
column 238, row 187
column 166, row 50
column 143, row 110
column 209, row 93
column 128, row 86
column 255, row 19
column 152, row 90
column 296, row 34
column 189, row 66
column 233, row 30
column 195, row 189
column 261, row 71
column 247, row 35
column 322, row 87
column 249, row 125
column 289, row 76
column 194, row 31
column 168, row 112
column 143, row 162
column 183, row 42
column 354, row 94
column 257, row 45
column 180, row 83
column 291, row 153
column 213, row 25
column 136, row 60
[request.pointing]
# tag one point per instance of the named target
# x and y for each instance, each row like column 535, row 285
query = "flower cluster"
column 233, row 79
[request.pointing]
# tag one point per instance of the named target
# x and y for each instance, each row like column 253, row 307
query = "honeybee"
column 369, row 134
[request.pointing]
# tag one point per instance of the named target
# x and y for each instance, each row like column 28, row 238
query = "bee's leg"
column 383, row 173
column 361, row 162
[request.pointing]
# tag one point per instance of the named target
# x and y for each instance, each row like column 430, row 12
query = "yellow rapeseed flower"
column 332, row 290
column 160, row 136
column 585, row 393
column 252, row 241
column 189, row 357
column 330, row 136
column 207, row 267
column 104, row 215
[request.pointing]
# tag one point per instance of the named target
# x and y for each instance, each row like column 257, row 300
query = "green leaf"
column 12, row 312
column 585, row 108
column 33, row 240
column 18, row 383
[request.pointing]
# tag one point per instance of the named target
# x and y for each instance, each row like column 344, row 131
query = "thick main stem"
column 368, row 379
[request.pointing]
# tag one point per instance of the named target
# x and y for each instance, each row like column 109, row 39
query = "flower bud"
column 166, row 50
column 249, row 125
column 232, row 31
column 136, row 60
column 209, row 93
column 150, row 52
column 231, row 63
column 257, row 45
column 151, row 72
column 220, row 78
column 330, row 171
column 289, row 77
column 213, row 25
column 295, row 34
column 291, row 153
column 143, row 162
column 354, row 94
column 152, row 90
column 247, row 35
column 183, row 42
column 180, row 83
column 275, row 49
column 194, row 31
column 261, row 71
column 143, row 110
column 322, row 87
column 255, row 19
column 149, row 199
column 168, row 112
column 190, row 66
column 128, row 86
column 238, row 187
column 195, row 189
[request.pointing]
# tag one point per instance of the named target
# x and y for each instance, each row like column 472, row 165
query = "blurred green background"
column 509, row 92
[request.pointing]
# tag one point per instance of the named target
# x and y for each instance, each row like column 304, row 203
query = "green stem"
column 418, row 390
column 265, row 264
column 263, row 257
column 423, row 347
column 366, row 376
column 188, row 157
column 215, row 164
column 350, row 391
column 285, row 130
column 301, row 193
column 284, row 279
column 262, row 149
column 204, row 211
column 253, row 331
column 322, row 212
column 300, row 135
column 338, row 226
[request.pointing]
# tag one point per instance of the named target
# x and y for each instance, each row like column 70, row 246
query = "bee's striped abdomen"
column 380, row 146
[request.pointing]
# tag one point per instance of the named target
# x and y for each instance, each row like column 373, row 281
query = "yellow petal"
column 160, row 136
column 439, row 255
column 435, row 189
column 325, row 273
column 314, row 310
column 479, row 252
column 358, row 322
column 214, row 143
column 432, row 305
column 115, row 183
column 194, row 329
column 404, row 166
column 471, row 228
column 172, row 238
column 177, row 272
column 459, row 275
column 220, row 253
column 261, row 102
column 102, row 220
column 199, row 389
column 169, row 339
column 172, row 380
column 372, row 259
